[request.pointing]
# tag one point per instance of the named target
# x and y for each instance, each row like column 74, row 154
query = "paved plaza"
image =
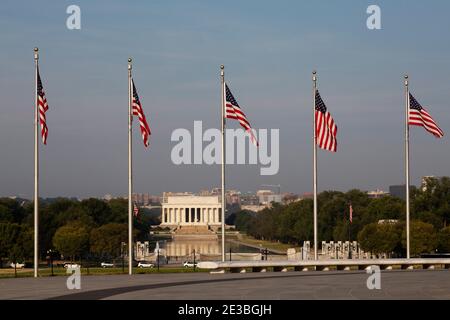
column 203, row 286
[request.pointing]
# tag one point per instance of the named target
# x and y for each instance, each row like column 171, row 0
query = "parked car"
column 17, row 265
column 144, row 264
column 107, row 265
column 68, row 265
column 189, row 264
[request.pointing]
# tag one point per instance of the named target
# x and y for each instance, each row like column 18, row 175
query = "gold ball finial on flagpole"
column 130, row 60
column 222, row 66
column 36, row 53
column 36, row 49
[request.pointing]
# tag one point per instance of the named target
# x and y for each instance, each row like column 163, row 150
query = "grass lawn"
column 265, row 244
column 46, row 272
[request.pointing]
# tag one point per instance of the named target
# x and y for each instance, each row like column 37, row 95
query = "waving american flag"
column 135, row 210
column 418, row 116
column 233, row 111
column 139, row 112
column 326, row 129
column 42, row 108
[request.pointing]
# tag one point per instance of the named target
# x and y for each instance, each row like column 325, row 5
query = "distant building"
column 398, row 191
column 268, row 196
column 377, row 194
column 249, row 199
column 307, row 195
column 289, row 198
column 233, row 198
column 188, row 210
column 253, row 208
column 145, row 199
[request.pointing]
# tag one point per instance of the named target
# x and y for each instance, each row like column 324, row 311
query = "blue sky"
column 269, row 49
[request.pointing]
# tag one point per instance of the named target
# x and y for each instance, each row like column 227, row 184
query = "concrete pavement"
column 417, row 284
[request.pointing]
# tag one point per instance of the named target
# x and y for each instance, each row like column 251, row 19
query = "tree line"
column 378, row 224
column 89, row 229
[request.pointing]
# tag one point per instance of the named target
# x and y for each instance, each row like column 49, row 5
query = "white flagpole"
column 314, row 78
column 36, row 167
column 408, row 256
column 222, row 76
column 130, row 172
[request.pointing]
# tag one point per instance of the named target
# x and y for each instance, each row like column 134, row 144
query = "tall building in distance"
column 398, row 191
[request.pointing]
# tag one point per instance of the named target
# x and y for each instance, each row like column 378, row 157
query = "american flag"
column 42, row 107
column 135, row 210
column 351, row 214
column 418, row 116
column 233, row 111
column 326, row 130
column 139, row 112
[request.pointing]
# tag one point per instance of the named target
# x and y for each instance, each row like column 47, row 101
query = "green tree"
column 15, row 241
column 11, row 211
column 423, row 238
column 389, row 235
column 22, row 249
column 295, row 222
column 119, row 210
column 9, row 234
column 368, row 238
column 243, row 220
column 385, row 208
column 341, row 231
column 444, row 240
column 72, row 239
column 107, row 239
column 380, row 238
column 333, row 208
column 433, row 198
column 98, row 210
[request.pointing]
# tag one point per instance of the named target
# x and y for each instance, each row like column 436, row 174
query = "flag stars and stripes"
column 418, row 116
column 139, row 112
column 42, row 108
column 326, row 129
column 351, row 214
column 233, row 111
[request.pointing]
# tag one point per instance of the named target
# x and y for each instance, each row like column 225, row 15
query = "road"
column 264, row 286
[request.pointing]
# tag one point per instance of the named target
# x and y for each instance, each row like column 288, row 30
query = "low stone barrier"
column 325, row 265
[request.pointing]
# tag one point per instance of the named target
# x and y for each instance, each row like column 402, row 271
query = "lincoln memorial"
column 185, row 211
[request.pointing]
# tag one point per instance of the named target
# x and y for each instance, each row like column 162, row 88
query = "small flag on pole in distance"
column 139, row 112
column 233, row 111
column 42, row 108
column 135, row 210
column 326, row 130
column 351, row 214
column 418, row 116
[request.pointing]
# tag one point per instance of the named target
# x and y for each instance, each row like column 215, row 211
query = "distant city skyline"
column 375, row 193
column 269, row 50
